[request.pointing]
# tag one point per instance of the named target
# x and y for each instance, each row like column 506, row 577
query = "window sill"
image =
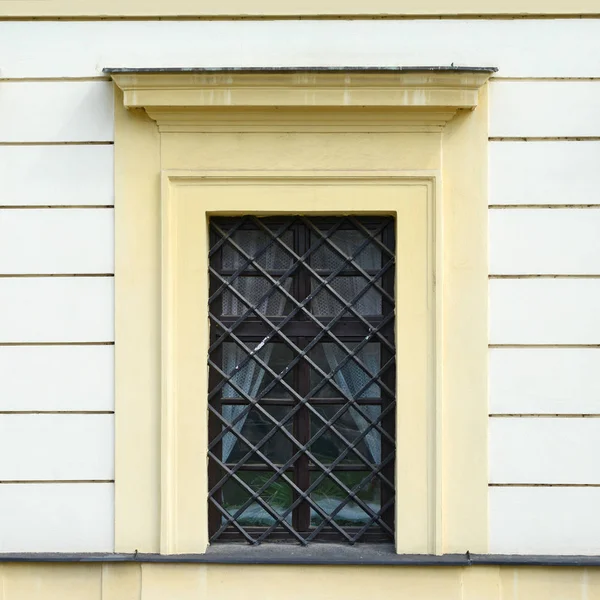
column 314, row 554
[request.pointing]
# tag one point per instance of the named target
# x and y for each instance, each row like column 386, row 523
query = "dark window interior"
column 302, row 379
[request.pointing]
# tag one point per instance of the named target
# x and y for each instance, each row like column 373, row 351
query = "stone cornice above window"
column 346, row 99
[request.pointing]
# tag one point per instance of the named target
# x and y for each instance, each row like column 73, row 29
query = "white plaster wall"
column 56, row 234
column 519, row 48
column 544, row 321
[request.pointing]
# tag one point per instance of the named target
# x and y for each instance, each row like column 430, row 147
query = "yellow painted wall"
column 241, row 8
column 255, row 582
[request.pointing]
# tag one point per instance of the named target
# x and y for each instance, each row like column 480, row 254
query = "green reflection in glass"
column 256, row 426
column 278, row 496
column 328, row 495
column 350, row 425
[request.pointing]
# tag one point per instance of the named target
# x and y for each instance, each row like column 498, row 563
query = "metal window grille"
column 301, row 379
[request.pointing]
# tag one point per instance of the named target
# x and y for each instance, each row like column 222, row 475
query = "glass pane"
column 253, row 289
column 329, row 495
column 350, row 378
column 348, row 241
column 338, row 427
column 349, row 425
column 252, row 379
column 325, row 304
column 254, row 426
column 275, row 258
column 277, row 495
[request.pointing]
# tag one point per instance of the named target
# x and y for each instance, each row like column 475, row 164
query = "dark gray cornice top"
column 216, row 70
column 314, row 554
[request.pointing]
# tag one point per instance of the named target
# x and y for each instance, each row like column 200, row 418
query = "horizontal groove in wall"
column 541, row 206
column 52, row 206
column 88, row 143
column 545, row 485
column 544, row 415
column 545, row 276
column 57, row 412
column 304, row 17
column 52, row 481
column 9, row 344
column 546, row 139
column 55, row 275
column 543, row 345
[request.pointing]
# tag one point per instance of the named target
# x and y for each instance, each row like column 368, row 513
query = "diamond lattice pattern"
column 302, row 388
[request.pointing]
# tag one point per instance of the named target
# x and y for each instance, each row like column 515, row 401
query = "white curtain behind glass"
column 351, row 378
column 250, row 378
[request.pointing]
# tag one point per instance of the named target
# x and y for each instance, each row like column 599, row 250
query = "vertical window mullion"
column 302, row 421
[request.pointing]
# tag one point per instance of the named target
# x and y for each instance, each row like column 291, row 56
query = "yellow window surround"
column 310, row 8
column 407, row 142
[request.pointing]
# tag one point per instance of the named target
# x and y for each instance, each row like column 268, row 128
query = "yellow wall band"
column 309, row 8
column 261, row 582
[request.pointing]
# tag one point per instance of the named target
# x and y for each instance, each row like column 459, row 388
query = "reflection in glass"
column 257, row 425
column 350, row 377
column 251, row 379
column 329, row 495
column 350, row 424
column 278, row 495
column 353, row 381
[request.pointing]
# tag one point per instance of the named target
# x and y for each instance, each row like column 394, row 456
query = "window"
column 387, row 142
column 301, row 379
